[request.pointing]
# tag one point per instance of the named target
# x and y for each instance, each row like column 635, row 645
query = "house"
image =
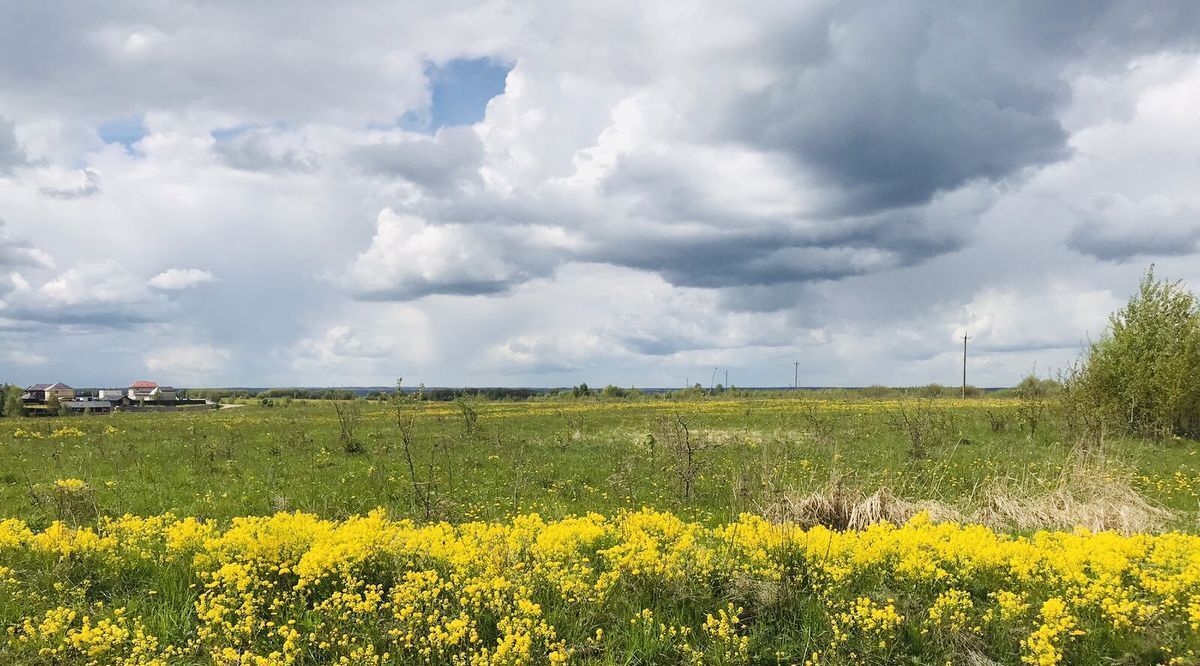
column 40, row 393
column 111, row 394
column 61, row 391
column 143, row 390
column 35, row 393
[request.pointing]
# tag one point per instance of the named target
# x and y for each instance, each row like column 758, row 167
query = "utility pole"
column 796, row 379
column 726, row 378
column 964, row 384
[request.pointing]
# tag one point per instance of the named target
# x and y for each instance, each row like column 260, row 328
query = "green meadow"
column 477, row 460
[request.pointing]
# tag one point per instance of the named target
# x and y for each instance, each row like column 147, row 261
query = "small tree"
column 349, row 416
column 677, row 433
column 924, row 425
column 1031, row 401
column 1144, row 369
column 406, row 407
column 12, row 404
column 469, row 414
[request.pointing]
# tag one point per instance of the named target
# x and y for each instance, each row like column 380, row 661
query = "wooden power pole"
column 964, row 384
column 796, row 379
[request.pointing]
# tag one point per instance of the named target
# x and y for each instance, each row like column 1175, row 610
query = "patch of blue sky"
column 460, row 90
column 124, row 131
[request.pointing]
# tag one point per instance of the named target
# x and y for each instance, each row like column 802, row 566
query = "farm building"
column 87, row 406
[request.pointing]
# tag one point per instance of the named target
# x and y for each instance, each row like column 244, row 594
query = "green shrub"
column 1143, row 371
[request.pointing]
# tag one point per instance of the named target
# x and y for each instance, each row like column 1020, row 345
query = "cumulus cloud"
column 99, row 294
column 409, row 258
column 448, row 160
column 829, row 144
column 180, row 278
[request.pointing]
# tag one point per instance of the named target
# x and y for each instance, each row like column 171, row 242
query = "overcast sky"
column 542, row 193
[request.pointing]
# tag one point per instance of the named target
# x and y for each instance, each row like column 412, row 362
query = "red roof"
column 143, row 384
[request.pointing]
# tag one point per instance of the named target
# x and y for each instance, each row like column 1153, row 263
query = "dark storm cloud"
column 1126, row 242
column 412, row 289
column 910, row 99
column 781, row 253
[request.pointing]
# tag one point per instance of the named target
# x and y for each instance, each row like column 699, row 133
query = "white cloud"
column 96, row 294
column 409, row 258
column 180, row 278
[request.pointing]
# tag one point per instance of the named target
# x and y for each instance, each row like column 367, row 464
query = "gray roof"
column 38, row 387
column 60, row 385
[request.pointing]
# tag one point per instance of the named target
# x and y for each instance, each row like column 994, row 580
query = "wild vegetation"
column 1051, row 523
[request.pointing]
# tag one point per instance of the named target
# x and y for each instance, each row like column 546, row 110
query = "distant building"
column 88, row 406
column 61, row 391
column 111, row 394
column 35, row 393
column 143, row 390
column 43, row 392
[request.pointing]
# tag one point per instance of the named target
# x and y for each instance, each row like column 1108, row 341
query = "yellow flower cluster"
column 67, row 431
column 70, row 485
column 642, row 587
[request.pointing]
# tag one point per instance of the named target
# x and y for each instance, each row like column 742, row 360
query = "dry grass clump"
column 838, row 506
column 1096, row 503
column 1081, row 497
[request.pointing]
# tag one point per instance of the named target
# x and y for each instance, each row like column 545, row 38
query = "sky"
column 512, row 193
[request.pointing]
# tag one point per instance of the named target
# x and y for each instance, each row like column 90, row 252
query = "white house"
column 143, row 390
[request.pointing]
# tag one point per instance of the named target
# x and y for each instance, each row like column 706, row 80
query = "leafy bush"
column 1143, row 371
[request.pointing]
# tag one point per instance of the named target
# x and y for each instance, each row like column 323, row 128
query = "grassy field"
column 555, row 458
column 645, row 547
